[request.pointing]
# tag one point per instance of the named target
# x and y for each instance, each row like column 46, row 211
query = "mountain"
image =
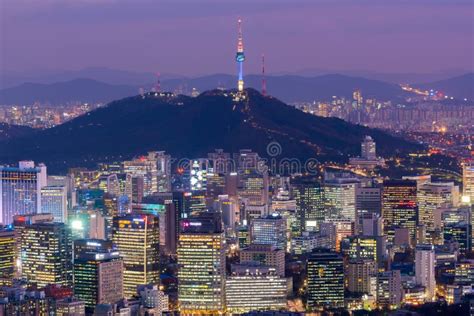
column 103, row 74
column 297, row 88
column 459, row 87
column 8, row 131
column 82, row 90
column 192, row 127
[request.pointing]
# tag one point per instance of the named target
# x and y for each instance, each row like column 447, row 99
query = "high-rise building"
column 54, row 201
column 201, row 260
column 468, row 182
column 20, row 190
column 325, row 280
column 432, row 196
column 359, row 275
column 394, row 194
column 163, row 167
column 254, row 287
column 266, row 255
column 425, row 264
column 45, row 252
column 98, row 273
column 70, row 306
column 8, row 255
column 368, row 149
column 336, row 229
column 367, row 247
column 340, row 195
column 368, row 199
column 152, row 299
column 389, row 289
column 269, row 230
column 198, row 174
column 369, row 224
column 145, row 167
column 460, row 233
column 404, row 215
column 137, row 238
column 309, row 197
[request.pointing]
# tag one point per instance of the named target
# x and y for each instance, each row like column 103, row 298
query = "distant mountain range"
column 192, row 127
column 134, row 78
column 287, row 88
column 459, row 87
column 82, row 90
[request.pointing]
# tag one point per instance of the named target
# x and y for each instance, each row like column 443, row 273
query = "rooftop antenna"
column 158, row 83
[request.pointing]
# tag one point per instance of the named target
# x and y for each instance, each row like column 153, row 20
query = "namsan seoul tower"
column 240, row 57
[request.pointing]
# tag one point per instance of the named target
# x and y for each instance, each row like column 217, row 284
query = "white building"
column 425, row 263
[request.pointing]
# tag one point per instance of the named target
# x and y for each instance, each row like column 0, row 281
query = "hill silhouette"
column 192, row 127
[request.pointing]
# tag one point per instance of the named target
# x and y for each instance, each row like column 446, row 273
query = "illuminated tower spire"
column 240, row 57
column 264, row 80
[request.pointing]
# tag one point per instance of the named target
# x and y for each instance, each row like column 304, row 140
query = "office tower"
column 182, row 203
column 201, row 260
column 87, row 223
column 243, row 236
column 254, row 287
column 369, row 224
column 153, row 301
column 464, row 272
column 137, row 189
column 309, row 197
column 253, row 189
column 163, row 167
column 8, row 254
column 198, row 170
column 468, row 182
column 266, row 255
column 359, row 275
column 145, row 167
column 215, row 186
column 432, row 196
column 394, row 193
column 325, row 280
column 45, row 252
column 369, row 199
column 20, row 190
column 110, row 210
column 98, row 273
column 269, row 230
column 340, row 195
column 54, row 201
column 161, row 205
column 336, row 229
column 460, row 233
column 405, row 215
column 228, row 207
column 137, row 238
column 425, row 269
column 109, row 183
column 389, row 289
column 366, row 247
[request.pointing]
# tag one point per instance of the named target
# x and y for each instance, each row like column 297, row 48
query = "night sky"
column 199, row 37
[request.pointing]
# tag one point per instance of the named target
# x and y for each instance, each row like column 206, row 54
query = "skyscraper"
column 54, row 201
column 340, row 195
column 46, row 252
column 425, row 263
column 201, row 260
column 468, row 181
column 394, row 194
column 98, row 273
column 8, row 255
column 309, row 197
column 20, row 190
column 325, row 280
column 137, row 238
column 269, row 230
column 389, row 289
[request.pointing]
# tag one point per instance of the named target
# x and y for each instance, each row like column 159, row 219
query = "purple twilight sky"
column 199, row 37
